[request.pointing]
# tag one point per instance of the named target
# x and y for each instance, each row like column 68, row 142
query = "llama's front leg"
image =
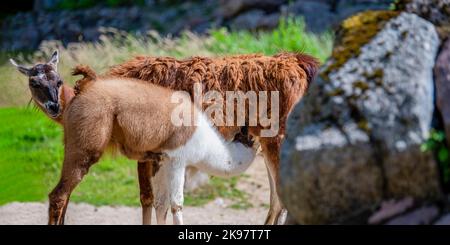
column 161, row 213
column 168, row 184
column 176, row 174
column 160, row 190
column 146, row 191
column 75, row 166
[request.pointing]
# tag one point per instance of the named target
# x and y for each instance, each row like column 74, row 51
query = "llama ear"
column 54, row 60
column 22, row 69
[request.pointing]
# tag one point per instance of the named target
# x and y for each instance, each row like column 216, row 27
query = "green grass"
column 219, row 187
column 289, row 36
column 31, row 156
column 31, row 149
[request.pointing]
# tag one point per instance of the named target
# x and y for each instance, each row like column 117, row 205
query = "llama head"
column 45, row 84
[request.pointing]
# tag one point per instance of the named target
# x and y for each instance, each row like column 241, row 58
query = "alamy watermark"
column 232, row 108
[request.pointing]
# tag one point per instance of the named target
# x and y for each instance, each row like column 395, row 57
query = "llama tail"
column 84, row 70
column 309, row 64
column 88, row 74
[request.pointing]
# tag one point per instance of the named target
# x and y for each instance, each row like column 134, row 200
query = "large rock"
column 442, row 80
column 325, row 171
column 355, row 138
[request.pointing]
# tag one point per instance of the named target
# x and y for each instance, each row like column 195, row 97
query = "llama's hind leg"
column 146, row 191
column 75, row 166
column 271, row 150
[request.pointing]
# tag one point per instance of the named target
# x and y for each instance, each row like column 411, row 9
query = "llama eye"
column 59, row 83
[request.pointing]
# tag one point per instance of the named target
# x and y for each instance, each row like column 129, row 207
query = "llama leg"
column 161, row 196
column 271, row 150
column 146, row 191
column 177, row 214
column 75, row 166
column 176, row 175
column 161, row 214
column 275, row 204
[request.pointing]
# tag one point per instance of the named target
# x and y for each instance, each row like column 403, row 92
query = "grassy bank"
column 31, row 149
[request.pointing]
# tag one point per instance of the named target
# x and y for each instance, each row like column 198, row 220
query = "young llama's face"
column 45, row 84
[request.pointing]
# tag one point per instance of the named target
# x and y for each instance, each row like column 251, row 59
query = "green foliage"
column 289, row 36
column 436, row 143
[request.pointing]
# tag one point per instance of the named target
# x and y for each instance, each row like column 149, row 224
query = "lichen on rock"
column 354, row 33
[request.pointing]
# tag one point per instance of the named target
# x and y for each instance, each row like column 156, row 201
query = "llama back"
column 288, row 73
column 242, row 72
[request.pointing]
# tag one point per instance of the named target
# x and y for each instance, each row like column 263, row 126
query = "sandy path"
column 215, row 212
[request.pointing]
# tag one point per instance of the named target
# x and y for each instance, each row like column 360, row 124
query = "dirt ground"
column 215, row 212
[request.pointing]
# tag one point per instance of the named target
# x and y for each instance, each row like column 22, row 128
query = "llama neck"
column 65, row 97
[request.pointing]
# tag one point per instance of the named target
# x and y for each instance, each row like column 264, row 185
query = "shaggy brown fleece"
column 288, row 73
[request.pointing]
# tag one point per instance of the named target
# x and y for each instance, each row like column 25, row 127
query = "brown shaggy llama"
column 136, row 118
column 288, row 73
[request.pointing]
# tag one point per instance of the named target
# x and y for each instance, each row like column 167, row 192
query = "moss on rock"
column 354, row 33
